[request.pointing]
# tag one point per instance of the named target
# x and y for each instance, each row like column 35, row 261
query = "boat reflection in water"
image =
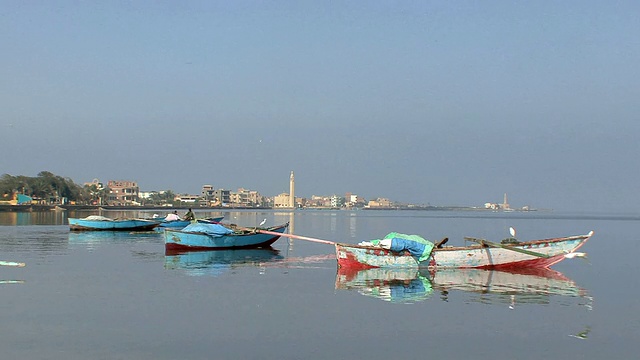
column 217, row 262
column 393, row 285
column 524, row 286
column 521, row 286
column 95, row 237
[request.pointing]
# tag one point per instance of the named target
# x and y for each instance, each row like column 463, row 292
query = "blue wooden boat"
column 101, row 223
column 180, row 224
column 220, row 237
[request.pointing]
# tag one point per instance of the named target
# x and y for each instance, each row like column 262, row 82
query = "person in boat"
column 189, row 215
column 172, row 217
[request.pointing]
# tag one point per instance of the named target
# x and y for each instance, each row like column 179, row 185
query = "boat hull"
column 176, row 240
column 476, row 256
column 112, row 225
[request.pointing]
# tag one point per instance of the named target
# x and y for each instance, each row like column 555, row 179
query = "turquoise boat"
column 101, row 223
column 202, row 236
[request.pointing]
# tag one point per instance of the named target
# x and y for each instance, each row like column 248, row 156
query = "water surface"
column 118, row 296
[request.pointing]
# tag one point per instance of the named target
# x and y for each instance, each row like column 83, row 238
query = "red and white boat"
column 484, row 255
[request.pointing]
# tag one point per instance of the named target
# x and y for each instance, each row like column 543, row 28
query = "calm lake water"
column 117, row 296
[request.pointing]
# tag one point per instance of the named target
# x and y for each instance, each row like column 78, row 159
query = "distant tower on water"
column 292, row 195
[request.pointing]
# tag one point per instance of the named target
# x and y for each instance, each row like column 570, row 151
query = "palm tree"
column 8, row 185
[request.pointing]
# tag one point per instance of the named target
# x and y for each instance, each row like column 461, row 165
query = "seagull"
column 571, row 255
column 512, row 231
column 582, row 335
column 263, row 221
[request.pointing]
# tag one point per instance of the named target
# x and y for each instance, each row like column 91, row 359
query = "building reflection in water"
column 292, row 230
column 352, row 225
column 23, row 218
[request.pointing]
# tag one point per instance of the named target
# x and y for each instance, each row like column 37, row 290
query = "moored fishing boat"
column 537, row 253
column 101, row 223
column 201, row 236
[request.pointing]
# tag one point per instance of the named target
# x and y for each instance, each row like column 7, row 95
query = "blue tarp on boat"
column 415, row 244
column 209, row 229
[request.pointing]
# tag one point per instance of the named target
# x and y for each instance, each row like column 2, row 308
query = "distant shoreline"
column 35, row 207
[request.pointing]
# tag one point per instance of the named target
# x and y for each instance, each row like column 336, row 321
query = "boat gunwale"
column 115, row 220
column 254, row 232
column 478, row 246
column 85, row 224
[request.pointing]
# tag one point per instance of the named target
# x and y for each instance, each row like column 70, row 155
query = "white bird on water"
column 572, row 255
column 263, row 221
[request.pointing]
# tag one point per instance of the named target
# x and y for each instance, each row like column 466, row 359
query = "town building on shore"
column 122, row 192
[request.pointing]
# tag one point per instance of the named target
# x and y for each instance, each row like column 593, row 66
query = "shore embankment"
column 67, row 207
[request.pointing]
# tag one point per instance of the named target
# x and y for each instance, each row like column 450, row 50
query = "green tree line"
column 48, row 188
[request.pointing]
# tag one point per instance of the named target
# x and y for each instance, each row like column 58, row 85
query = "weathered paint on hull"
column 116, row 225
column 176, row 240
column 360, row 257
column 369, row 258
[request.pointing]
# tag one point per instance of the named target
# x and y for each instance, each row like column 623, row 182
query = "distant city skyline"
column 498, row 205
column 110, row 183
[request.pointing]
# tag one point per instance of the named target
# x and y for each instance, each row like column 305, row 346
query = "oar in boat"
column 295, row 236
column 12, row 263
column 292, row 236
column 512, row 248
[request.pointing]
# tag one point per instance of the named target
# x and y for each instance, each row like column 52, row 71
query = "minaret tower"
column 505, row 204
column 292, row 195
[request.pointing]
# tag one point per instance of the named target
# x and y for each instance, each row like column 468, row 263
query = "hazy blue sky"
column 439, row 102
